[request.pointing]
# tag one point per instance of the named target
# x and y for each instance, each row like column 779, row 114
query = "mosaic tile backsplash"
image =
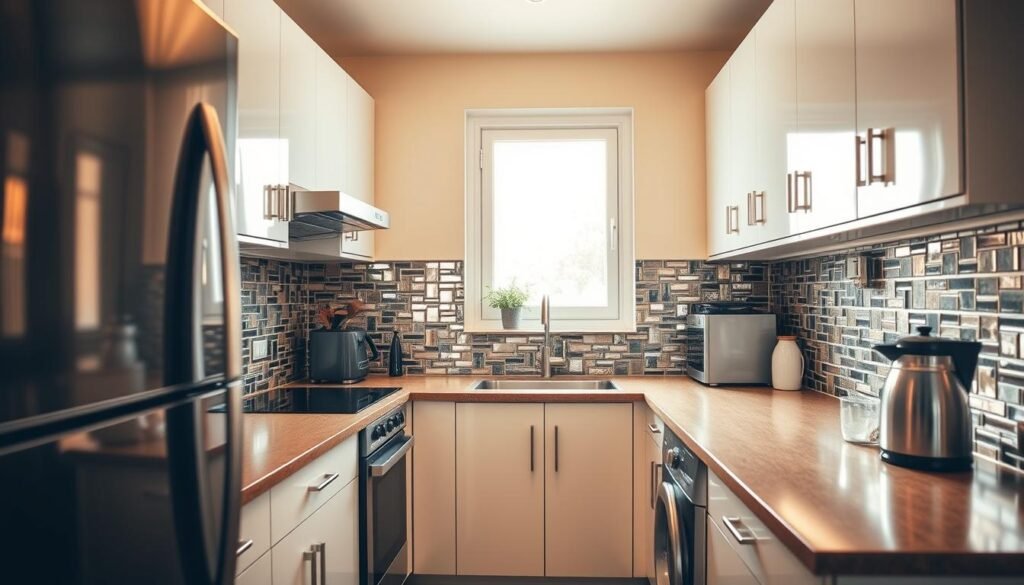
column 423, row 301
column 965, row 285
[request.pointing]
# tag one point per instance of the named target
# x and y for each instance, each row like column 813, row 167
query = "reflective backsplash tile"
column 424, row 302
column 273, row 310
column 964, row 285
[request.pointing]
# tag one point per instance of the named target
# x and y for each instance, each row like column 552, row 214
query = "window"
column 549, row 205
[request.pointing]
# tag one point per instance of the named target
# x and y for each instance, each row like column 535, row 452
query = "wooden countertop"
column 836, row 506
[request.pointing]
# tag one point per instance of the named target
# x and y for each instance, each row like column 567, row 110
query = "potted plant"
column 510, row 300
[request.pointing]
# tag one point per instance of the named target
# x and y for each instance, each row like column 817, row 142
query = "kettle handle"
column 374, row 352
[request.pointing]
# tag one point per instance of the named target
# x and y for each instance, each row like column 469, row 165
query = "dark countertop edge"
column 821, row 563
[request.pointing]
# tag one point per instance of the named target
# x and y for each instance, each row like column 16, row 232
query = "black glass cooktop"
column 315, row 399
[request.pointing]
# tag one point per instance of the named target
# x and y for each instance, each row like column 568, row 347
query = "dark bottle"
column 395, row 356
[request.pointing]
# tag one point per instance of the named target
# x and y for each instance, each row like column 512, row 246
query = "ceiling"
column 406, row 27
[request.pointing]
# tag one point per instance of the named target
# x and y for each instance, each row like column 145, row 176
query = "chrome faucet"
column 545, row 350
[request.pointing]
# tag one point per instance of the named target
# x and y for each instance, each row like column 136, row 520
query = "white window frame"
column 620, row 120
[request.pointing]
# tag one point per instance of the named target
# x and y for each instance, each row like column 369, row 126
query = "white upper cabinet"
column 258, row 153
column 908, row 111
column 331, row 165
column 766, row 212
column 718, row 111
column 215, row 6
column 822, row 159
column 360, row 118
column 743, row 141
column 298, row 102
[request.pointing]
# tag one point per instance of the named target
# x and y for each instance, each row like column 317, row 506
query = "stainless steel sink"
column 546, row 385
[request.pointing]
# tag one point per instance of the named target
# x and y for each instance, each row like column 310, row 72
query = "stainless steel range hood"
column 327, row 214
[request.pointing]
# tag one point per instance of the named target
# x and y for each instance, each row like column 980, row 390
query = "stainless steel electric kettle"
column 926, row 420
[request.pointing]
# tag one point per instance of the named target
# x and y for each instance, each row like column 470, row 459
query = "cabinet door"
column 718, row 112
column 259, row 149
column 331, row 112
column 822, row 157
column 725, row 567
column 215, row 6
column 335, row 526
column 259, row 573
column 359, row 132
column 588, row 490
column 500, row 482
column 433, row 481
column 298, row 103
column 653, row 458
column 765, row 210
column 743, row 144
column 908, row 96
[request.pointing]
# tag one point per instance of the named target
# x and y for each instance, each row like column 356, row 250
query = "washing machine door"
column 674, row 519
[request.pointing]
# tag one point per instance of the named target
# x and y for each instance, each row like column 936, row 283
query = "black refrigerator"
column 120, row 325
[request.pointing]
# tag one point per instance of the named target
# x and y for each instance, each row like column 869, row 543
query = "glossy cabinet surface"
column 743, row 142
column 821, row 152
column 724, row 566
column 433, row 480
column 298, row 102
column 718, row 114
column 360, row 119
column 331, row 165
column 259, row 573
column 260, row 156
column 588, row 490
column 500, row 482
column 329, row 538
column 766, row 211
column 907, row 95
column 253, row 531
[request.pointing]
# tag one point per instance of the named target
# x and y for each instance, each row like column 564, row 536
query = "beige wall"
column 421, row 103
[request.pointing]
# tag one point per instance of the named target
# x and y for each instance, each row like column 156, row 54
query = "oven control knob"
column 378, row 432
column 390, row 425
column 673, row 458
column 401, row 417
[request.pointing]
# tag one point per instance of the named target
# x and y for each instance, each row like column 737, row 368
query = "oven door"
column 384, row 538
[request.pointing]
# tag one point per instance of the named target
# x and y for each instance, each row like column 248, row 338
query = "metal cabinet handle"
column 284, row 203
column 884, row 137
column 750, row 208
column 531, row 448
column 801, row 203
column 859, row 146
column 739, row 530
column 655, row 467
column 267, row 207
column 556, row 448
column 762, row 217
column 310, row 555
column 653, row 428
column 242, row 547
column 328, row 479
column 730, row 226
column 323, row 562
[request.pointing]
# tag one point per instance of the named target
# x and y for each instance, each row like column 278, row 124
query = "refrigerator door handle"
column 207, row 557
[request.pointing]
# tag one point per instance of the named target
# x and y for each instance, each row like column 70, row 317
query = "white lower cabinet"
column 506, row 497
column 500, row 487
column 725, row 567
column 326, row 543
column 588, row 491
column 258, row 573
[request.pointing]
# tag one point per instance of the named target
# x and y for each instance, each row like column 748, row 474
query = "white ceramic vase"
column 787, row 364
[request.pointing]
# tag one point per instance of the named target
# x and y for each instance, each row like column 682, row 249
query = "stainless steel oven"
column 384, row 539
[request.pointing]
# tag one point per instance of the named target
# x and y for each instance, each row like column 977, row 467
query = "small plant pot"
column 510, row 318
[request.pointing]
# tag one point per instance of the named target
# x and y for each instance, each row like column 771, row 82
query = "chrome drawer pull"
column 242, row 547
column 740, row 531
column 328, row 478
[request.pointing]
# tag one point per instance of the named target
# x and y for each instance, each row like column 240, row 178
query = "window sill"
column 486, row 328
